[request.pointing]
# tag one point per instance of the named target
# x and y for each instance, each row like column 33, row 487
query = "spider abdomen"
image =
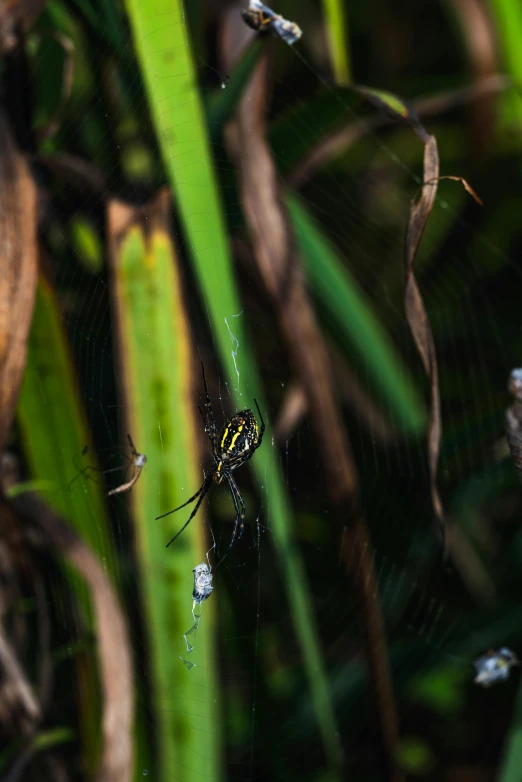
column 239, row 437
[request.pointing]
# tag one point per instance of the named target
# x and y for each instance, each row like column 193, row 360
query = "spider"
column 137, row 460
column 236, row 444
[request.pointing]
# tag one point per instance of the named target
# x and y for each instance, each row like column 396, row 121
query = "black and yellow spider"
column 236, row 444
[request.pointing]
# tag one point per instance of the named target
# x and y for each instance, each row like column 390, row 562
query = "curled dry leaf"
column 467, row 187
column 416, row 313
column 18, row 270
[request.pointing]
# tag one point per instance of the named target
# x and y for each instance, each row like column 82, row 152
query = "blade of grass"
column 354, row 321
column 159, row 33
column 336, row 28
column 507, row 19
column 512, row 761
column 54, row 430
column 223, row 103
column 156, row 374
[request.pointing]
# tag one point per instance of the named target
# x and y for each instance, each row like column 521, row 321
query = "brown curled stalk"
column 29, row 512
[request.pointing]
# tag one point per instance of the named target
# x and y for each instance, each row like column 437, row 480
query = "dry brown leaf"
column 416, row 313
column 467, row 187
column 18, row 270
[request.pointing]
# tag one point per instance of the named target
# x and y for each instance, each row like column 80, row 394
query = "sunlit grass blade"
column 168, row 71
column 336, row 28
column 354, row 321
column 507, row 18
column 156, row 363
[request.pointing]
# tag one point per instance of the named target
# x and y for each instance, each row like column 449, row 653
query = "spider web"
column 428, row 607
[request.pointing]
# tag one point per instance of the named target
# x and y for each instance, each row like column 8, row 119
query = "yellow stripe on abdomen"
column 231, row 446
column 225, row 433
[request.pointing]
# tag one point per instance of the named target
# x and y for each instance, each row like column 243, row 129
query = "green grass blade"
column 54, row 428
column 354, row 321
column 223, row 103
column 168, row 71
column 156, row 360
column 507, row 18
column 336, row 27
column 512, row 761
column 54, row 431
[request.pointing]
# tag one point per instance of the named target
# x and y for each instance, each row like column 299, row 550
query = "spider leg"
column 85, row 472
column 204, row 489
column 131, row 444
column 234, row 464
column 210, row 421
column 203, row 416
column 239, row 521
column 261, row 433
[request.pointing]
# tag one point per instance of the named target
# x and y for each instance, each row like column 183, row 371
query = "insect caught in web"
column 203, row 586
column 237, row 443
column 494, row 666
column 261, row 18
column 136, row 460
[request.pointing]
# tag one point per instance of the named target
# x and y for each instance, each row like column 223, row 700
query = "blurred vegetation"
column 126, row 112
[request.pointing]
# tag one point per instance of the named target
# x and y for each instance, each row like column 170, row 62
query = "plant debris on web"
column 261, row 18
column 202, row 584
column 203, row 588
column 494, row 666
column 138, row 462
